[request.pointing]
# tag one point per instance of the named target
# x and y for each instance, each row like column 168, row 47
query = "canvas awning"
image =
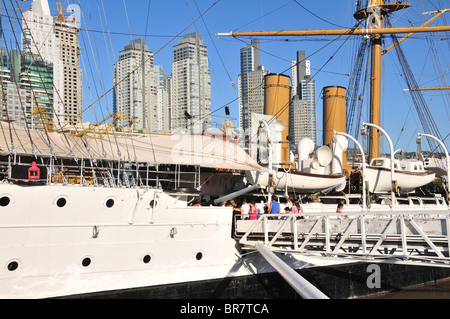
column 204, row 150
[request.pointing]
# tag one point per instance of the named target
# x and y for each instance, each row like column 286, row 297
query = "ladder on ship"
column 421, row 237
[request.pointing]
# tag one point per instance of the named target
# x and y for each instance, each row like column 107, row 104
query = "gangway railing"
column 410, row 236
column 303, row 287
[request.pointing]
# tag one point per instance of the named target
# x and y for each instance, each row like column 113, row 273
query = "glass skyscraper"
column 27, row 87
column 251, row 84
column 303, row 111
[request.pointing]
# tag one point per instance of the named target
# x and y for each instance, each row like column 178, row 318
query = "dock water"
column 431, row 290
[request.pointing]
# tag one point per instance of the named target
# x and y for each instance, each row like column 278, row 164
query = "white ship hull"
column 86, row 247
column 146, row 239
column 299, row 181
column 380, row 179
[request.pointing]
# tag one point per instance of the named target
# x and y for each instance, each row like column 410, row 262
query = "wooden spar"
column 439, row 13
column 429, row 89
column 359, row 31
column 375, row 82
column 375, row 98
column 375, row 31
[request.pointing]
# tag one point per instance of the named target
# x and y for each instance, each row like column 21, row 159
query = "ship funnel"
column 334, row 113
column 276, row 103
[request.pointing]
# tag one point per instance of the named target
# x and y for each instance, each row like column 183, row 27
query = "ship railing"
column 136, row 175
column 400, row 235
column 89, row 171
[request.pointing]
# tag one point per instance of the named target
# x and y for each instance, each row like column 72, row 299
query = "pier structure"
column 402, row 235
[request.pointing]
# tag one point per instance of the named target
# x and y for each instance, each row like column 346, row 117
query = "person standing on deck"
column 245, row 208
column 356, row 179
column 253, row 211
column 274, row 207
column 290, row 202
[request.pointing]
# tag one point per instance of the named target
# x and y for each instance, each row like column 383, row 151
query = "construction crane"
column 100, row 129
column 44, row 118
column 61, row 10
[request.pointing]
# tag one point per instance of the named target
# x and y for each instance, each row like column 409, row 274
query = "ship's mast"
column 374, row 29
column 375, row 78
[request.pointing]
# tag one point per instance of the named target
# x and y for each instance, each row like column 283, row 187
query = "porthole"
column 86, row 262
column 61, row 202
column 147, row 259
column 199, row 255
column 110, row 203
column 13, row 265
column 152, row 203
column 4, row 201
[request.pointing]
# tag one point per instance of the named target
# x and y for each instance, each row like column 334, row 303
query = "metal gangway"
column 409, row 235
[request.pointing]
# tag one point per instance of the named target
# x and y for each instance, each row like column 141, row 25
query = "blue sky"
column 159, row 20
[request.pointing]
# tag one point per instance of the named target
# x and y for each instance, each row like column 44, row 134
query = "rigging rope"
column 283, row 108
column 95, row 83
column 426, row 118
column 45, row 88
column 217, row 50
column 354, row 92
column 159, row 50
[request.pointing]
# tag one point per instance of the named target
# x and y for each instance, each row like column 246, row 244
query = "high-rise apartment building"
column 66, row 30
column 44, row 80
column 30, row 92
column 190, row 86
column 135, row 95
column 303, row 110
column 27, row 89
column 251, row 84
column 22, row 89
column 55, row 40
column 255, row 93
column 39, row 38
column 163, row 83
